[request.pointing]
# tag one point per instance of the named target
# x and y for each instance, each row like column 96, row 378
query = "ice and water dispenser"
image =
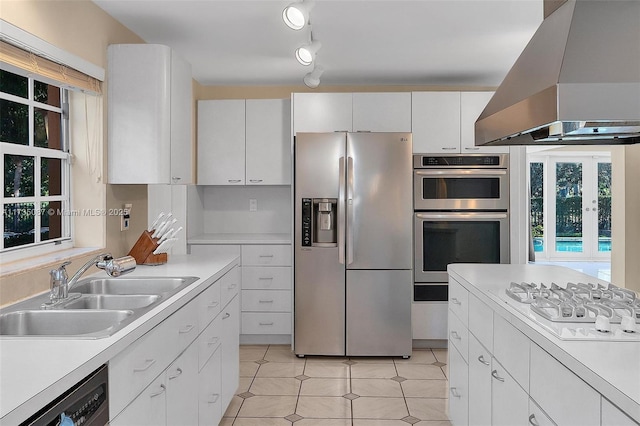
column 319, row 222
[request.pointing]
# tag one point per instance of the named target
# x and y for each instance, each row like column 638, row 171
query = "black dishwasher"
column 86, row 403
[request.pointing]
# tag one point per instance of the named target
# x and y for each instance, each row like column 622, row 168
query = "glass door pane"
column 569, row 237
column 604, row 207
column 536, row 187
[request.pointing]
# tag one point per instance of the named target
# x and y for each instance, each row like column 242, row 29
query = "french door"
column 571, row 206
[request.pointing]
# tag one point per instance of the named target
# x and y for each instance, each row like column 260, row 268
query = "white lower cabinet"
column 509, row 402
column 148, row 409
column 458, row 388
column 537, row 417
column 479, row 383
column 182, row 407
column 230, row 356
column 153, row 381
column 613, row 416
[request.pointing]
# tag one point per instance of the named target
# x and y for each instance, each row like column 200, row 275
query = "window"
column 36, row 162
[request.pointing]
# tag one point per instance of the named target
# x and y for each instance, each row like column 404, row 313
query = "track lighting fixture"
column 312, row 79
column 307, row 53
column 296, row 15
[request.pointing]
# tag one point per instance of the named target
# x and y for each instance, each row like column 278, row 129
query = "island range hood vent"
column 576, row 83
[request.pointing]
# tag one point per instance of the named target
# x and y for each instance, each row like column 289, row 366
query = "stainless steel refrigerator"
column 353, row 244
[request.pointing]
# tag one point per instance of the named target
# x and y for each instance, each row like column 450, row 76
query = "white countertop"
column 240, row 239
column 35, row 370
column 611, row 368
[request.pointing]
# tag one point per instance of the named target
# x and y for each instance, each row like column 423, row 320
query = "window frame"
column 38, row 153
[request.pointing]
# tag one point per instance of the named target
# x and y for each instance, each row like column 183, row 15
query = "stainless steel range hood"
column 576, row 83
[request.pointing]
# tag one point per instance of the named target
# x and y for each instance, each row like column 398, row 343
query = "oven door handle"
column 473, row 215
column 461, row 172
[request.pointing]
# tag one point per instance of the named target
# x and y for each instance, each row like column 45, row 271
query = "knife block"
column 142, row 250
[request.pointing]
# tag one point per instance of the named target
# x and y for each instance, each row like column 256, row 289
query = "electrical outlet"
column 125, row 217
column 253, row 205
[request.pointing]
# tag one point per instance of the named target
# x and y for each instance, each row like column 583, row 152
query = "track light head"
column 307, row 53
column 312, row 79
column 296, row 15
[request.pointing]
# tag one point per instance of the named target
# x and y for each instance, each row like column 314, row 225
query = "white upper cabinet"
column 444, row 122
column 435, row 122
column 221, row 142
column 382, row 112
column 471, row 106
column 268, row 143
column 244, row 142
column 149, row 115
column 322, row 112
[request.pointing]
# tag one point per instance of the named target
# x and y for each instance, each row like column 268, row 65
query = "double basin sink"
column 103, row 306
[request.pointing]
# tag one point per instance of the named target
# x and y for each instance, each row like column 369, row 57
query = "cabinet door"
column 181, row 110
column 458, row 388
column 322, row 112
column 221, row 142
column 181, row 379
column 509, row 402
column 537, row 417
column 471, row 106
column 382, row 112
column 230, row 350
column 435, row 122
column 210, row 406
column 479, row 383
column 613, row 416
column 148, row 409
column 268, row 132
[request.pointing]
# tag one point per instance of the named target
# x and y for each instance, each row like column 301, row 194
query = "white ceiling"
column 376, row 42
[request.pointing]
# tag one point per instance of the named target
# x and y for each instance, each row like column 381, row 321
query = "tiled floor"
column 277, row 388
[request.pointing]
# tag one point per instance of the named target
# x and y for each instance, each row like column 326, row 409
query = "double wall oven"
column 461, row 215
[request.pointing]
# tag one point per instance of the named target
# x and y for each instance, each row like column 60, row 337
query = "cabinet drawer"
column 266, row 300
column 266, row 255
column 511, row 349
column 209, row 340
column 264, row 277
column 458, row 389
column 479, row 383
column 208, row 304
column 181, row 329
column 459, row 336
column 481, row 322
column 266, row 323
column 229, row 286
column 459, row 301
column 560, row 393
column 148, row 409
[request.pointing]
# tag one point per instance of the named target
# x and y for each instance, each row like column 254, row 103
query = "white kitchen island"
column 36, row 370
column 506, row 368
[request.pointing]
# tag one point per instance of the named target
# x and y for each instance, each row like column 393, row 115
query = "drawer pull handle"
column 234, row 180
column 449, row 148
column 265, row 301
column 455, row 335
column 471, row 149
column 147, row 364
column 255, row 180
column 213, row 341
column 178, row 373
column 187, row 329
column 265, row 278
column 160, row 392
column 266, row 255
column 481, row 359
column 533, row 421
column 454, row 393
column 226, row 315
column 455, row 301
column 214, row 398
column 494, row 373
column 266, row 323
column 213, row 304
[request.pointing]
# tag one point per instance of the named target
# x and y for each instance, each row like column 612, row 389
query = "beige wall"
column 85, row 30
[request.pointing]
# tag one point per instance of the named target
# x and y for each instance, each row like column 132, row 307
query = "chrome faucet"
column 61, row 284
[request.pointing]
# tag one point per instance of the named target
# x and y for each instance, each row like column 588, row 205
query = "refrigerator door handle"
column 350, row 210
column 341, row 198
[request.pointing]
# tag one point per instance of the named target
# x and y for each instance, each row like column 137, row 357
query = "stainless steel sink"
column 61, row 322
column 112, row 301
column 133, row 285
